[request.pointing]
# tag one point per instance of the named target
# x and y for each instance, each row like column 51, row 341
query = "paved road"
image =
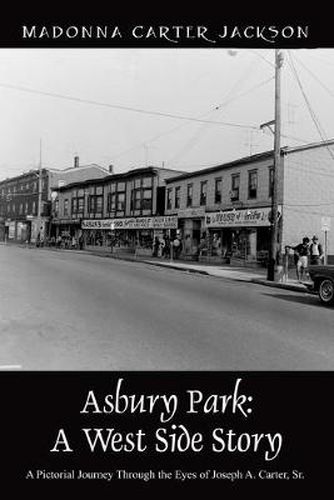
column 73, row 311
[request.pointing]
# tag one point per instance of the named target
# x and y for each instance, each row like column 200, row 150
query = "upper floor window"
column 66, row 207
column 177, row 196
column 141, row 195
column 189, row 195
column 203, row 192
column 218, row 190
column 252, row 184
column 235, row 186
column 95, row 204
column 169, row 198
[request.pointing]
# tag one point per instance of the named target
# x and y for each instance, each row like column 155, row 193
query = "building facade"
column 122, row 211
column 20, row 217
column 224, row 212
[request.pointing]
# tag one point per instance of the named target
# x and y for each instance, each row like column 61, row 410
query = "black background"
column 34, row 405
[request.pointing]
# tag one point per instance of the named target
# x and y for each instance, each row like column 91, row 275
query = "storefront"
column 239, row 235
column 190, row 226
column 134, row 234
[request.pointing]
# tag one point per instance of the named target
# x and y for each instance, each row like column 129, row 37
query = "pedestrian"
column 302, row 252
column 316, row 251
column 177, row 247
column 279, row 265
column 81, row 241
column 156, row 245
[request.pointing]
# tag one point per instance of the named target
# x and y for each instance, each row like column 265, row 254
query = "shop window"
column 177, row 196
column 169, row 198
column 189, row 195
column 271, row 182
column 235, row 187
column 203, row 191
column 252, row 184
column 218, row 190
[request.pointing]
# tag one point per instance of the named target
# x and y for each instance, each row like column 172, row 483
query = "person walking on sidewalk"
column 302, row 251
column 316, row 251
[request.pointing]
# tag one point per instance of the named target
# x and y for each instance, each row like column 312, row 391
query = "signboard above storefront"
column 253, row 217
column 191, row 213
column 167, row 222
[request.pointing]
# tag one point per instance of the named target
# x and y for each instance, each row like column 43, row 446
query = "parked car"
column 323, row 283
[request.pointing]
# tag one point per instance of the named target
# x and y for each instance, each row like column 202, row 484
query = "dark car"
column 323, row 283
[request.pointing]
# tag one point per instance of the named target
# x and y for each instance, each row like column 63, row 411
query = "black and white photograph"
column 148, row 195
column 166, row 254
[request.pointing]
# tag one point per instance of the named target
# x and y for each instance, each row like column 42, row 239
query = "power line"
column 331, row 93
column 174, row 129
column 309, row 107
column 122, row 108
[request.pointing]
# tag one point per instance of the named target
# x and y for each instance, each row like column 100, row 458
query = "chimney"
column 76, row 161
column 111, row 169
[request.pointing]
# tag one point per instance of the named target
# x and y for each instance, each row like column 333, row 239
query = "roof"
column 248, row 159
column 123, row 175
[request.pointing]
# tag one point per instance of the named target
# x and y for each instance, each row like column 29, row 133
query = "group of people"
column 162, row 247
column 305, row 253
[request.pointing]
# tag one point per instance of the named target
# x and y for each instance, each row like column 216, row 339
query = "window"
column 147, row 199
column 252, row 184
column 169, row 198
column 189, row 195
column 141, row 195
column 177, row 196
column 56, row 208
column 34, row 212
column 120, row 202
column 78, row 205
column 95, row 204
column 218, row 190
column 26, row 208
column 21, row 209
column 203, row 191
column 66, row 207
column 235, row 187
column 111, row 202
column 271, row 181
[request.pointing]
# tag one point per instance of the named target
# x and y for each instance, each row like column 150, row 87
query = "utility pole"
column 277, row 159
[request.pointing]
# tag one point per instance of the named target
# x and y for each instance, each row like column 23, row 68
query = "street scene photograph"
column 166, row 209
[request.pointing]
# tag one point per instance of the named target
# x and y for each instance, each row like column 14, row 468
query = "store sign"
column 98, row 224
column 191, row 212
column 168, row 222
column 259, row 217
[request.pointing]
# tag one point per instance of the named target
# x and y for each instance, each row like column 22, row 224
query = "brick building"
column 19, row 199
column 125, row 210
column 224, row 212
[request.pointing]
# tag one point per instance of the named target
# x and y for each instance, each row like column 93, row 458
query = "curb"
column 282, row 286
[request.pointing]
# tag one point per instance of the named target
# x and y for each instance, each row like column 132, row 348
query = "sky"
column 231, row 91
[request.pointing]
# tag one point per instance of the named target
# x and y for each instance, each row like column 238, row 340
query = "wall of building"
column 225, row 173
column 308, row 194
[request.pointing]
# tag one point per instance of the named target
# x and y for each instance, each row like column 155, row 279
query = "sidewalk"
column 245, row 274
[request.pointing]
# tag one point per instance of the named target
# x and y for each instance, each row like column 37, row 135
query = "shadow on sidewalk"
column 307, row 299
